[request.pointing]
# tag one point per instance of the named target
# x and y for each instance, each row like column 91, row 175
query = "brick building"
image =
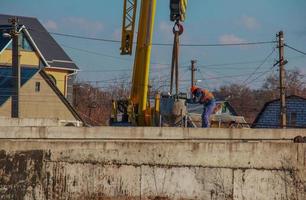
column 269, row 116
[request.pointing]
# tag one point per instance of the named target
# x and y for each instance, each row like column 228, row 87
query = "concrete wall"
column 151, row 163
column 6, row 121
column 28, row 122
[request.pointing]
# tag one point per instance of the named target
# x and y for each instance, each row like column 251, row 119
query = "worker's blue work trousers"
column 207, row 111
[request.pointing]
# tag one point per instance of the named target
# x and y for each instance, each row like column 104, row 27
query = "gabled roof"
column 273, row 101
column 5, row 41
column 51, row 50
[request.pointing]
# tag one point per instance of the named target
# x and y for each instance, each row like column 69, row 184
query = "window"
column 25, row 45
column 37, row 87
column 23, row 42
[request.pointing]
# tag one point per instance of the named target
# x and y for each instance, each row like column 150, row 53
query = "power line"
column 230, row 64
column 259, row 66
column 218, row 45
column 120, row 58
column 208, row 66
column 230, row 76
column 109, row 56
column 211, row 78
column 162, row 44
column 84, row 37
column 260, row 75
column 294, row 49
column 95, row 53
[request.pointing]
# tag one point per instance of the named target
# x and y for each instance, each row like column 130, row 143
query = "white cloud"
column 250, row 23
column 50, row 24
column 84, row 24
column 230, row 38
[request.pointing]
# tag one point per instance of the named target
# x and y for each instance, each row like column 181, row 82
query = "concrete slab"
column 149, row 133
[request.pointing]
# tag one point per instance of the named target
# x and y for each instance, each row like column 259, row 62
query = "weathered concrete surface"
column 6, row 122
column 137, row 163
column 28, row 122
column 150, row 133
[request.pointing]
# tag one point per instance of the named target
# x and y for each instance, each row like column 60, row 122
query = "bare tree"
column 94, row 104
column 241, row 97
column 294, row 83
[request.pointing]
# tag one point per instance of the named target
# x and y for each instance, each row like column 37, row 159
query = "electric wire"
column 259, row 66
column 294, row 49
column 84, row 37
column 161, row 44
column 98, row 53
column 222, row 64
column 260, row 75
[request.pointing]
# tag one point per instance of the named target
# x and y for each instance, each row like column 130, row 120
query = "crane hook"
column 178, row 28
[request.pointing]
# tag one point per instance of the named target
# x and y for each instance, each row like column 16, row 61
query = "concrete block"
column 264, row 185
column 199, row 183
column 91, row 181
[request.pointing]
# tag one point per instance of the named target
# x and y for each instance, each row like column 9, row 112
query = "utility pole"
column 282, row 88
column 15, row 67
column 193, row 70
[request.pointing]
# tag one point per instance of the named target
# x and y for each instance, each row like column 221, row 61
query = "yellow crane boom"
column 140, row 80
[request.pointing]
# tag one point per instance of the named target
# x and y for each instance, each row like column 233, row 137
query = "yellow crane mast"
column 140, row 112
column 128, row 26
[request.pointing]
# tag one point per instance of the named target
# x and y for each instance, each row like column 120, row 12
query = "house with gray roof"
column 60, row 67
column 39, row 96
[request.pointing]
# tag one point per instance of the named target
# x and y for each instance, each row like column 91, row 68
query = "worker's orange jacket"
column 207, row 96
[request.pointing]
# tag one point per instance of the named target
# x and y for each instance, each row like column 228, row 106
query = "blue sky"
column 208, row 21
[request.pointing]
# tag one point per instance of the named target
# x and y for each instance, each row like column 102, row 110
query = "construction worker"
column 203, row 96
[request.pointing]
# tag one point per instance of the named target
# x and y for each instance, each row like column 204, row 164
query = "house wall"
column 28, row 58
column 270, row 117
column 70, row 91
column 43, row 104
column 60, row 76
